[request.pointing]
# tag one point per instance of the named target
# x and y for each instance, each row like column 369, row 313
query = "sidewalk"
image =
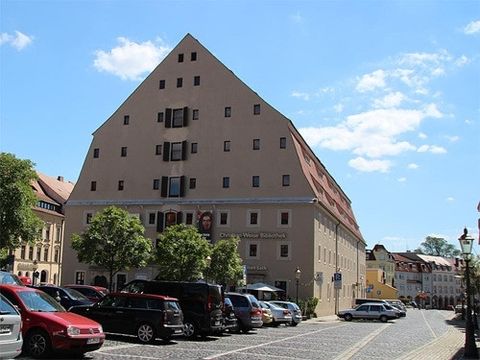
column 449, row 346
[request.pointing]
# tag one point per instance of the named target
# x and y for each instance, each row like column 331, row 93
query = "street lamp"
column 208, row 260
column 34, row 272
column 466, row 243
column 297, row 280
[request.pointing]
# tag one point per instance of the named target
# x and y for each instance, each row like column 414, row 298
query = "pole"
column 471, row 351
column 296, row 294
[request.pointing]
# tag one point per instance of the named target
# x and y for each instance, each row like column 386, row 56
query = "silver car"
column 10, row 330
column 280, row 315
column 369, row 311
column 294, row 309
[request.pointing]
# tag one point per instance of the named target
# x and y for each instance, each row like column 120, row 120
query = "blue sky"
column 387, row 93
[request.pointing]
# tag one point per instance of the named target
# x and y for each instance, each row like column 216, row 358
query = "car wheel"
column 38, row 344
column 146, row 333
column 189, row 329
column 275, row 324
column 383, row 318
column 348, row 317
column 293, row 323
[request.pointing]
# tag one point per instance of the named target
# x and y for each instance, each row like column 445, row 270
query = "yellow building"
column 376, row 289
column 380, row 258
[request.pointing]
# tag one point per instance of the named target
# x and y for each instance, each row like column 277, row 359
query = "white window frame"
column 193, row 218
column 147, row 219
column 247, row 249
column 279, row 244
column 219, row 218
column 250, row 211
column 279, row 218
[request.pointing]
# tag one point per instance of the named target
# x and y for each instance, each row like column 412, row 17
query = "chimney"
column 60, row 178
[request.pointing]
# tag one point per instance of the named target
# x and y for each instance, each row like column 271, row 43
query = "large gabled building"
column 193, row 143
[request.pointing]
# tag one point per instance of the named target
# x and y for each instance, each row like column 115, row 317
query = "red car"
column 48, row 327
column 92, row 292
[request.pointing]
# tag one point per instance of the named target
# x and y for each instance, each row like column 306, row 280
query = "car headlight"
column 72, row 330
column 100, row 329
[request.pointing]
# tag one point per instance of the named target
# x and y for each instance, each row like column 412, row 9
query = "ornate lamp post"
column 297, row 280
column 466, row 243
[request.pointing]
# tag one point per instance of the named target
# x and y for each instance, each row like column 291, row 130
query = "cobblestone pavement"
column 423, row 334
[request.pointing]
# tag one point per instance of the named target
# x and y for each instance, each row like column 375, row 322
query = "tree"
column 114, row 241
column 226, row 264
column 18, row 222
column 182, row 254
column 437, row 247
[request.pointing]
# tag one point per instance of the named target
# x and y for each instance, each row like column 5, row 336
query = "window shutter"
column 185, row 116
column 168, row 118
column 184, row 150
column 182, row 186
column 164, row 190
column 159, row 221
column 166, row 151
column 179, row 217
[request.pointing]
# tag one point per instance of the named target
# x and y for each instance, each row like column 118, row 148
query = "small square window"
column 228, row 111
column 285, row 180
column 180, row 58
column 196, row 80
column 283, row 143
column 123, row 152
column 158, row 149
column 226, row 145
column 189, row 218
column 151, row 218
column 120, row 185
column 256, row 109
column 226, row 182
column 193, row 183
column 253, row 218
column 88, row 218
column 160, row 117
column 194, row 148
column 256, row 144
column 284, row 218
column 156, row 184
column 193, row 56
column 195, row 114
column 224, row 218
column 126, row 120
column 255, row 181
column 179, row 82
column 96, row 153
column 93, row 186
column 284, row 251
column 161, row 84
column 252, row 251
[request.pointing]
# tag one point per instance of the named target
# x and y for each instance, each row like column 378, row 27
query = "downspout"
column 337, row 291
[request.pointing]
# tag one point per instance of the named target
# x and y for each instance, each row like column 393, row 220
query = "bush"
column 308, row 306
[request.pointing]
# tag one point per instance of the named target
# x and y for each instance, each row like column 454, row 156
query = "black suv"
column 146, row 316
column 201, row 303
column 65, row 296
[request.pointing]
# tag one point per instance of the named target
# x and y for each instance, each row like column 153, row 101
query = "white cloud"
column 450, row 199
column 431, row 110
column 402, row 179
column 452, row 138
column 369, row 82
column 462, row 60
column 18, row 41
column 130, row 60
column 434, row 149
column 297, row 18
column 412, row 166
column 301, row 95
column 472, row 28
column 393, row 99
column 338, row 108
column 364, row 165
column 422, row 135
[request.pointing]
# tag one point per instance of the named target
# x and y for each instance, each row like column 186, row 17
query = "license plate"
column 93, row 341
column 4, row 329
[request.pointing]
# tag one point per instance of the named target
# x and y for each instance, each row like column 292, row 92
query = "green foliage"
column 226, row 264
column 18, row 222
column 437, row 247
column 182, row 254
column 114, row 241
column 308, row 306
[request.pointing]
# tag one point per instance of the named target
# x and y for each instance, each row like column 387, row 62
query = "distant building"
column 45, row 254
column 193, row 140
column 380, row 258
column 377, row 288
column 413, row 278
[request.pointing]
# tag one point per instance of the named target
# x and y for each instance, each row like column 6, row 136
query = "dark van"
column 201, row 303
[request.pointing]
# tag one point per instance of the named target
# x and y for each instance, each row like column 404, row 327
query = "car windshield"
column 254, row 301
column 39, row 301
column 76, row 295
column 9, row 278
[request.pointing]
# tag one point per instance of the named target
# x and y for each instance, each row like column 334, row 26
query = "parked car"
column 47, row 327
column 9, row 278
column 368, row 311
column 397, row 303
column 93, row 293
column 10, row 330
column 65, row 296
column 247, row 310
column 294, row 309
column 279, row 314
column 400, row 313
column 267, row 316
column 230, row 322
column 201, row 303
column 143, row 315
column 363, row 301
